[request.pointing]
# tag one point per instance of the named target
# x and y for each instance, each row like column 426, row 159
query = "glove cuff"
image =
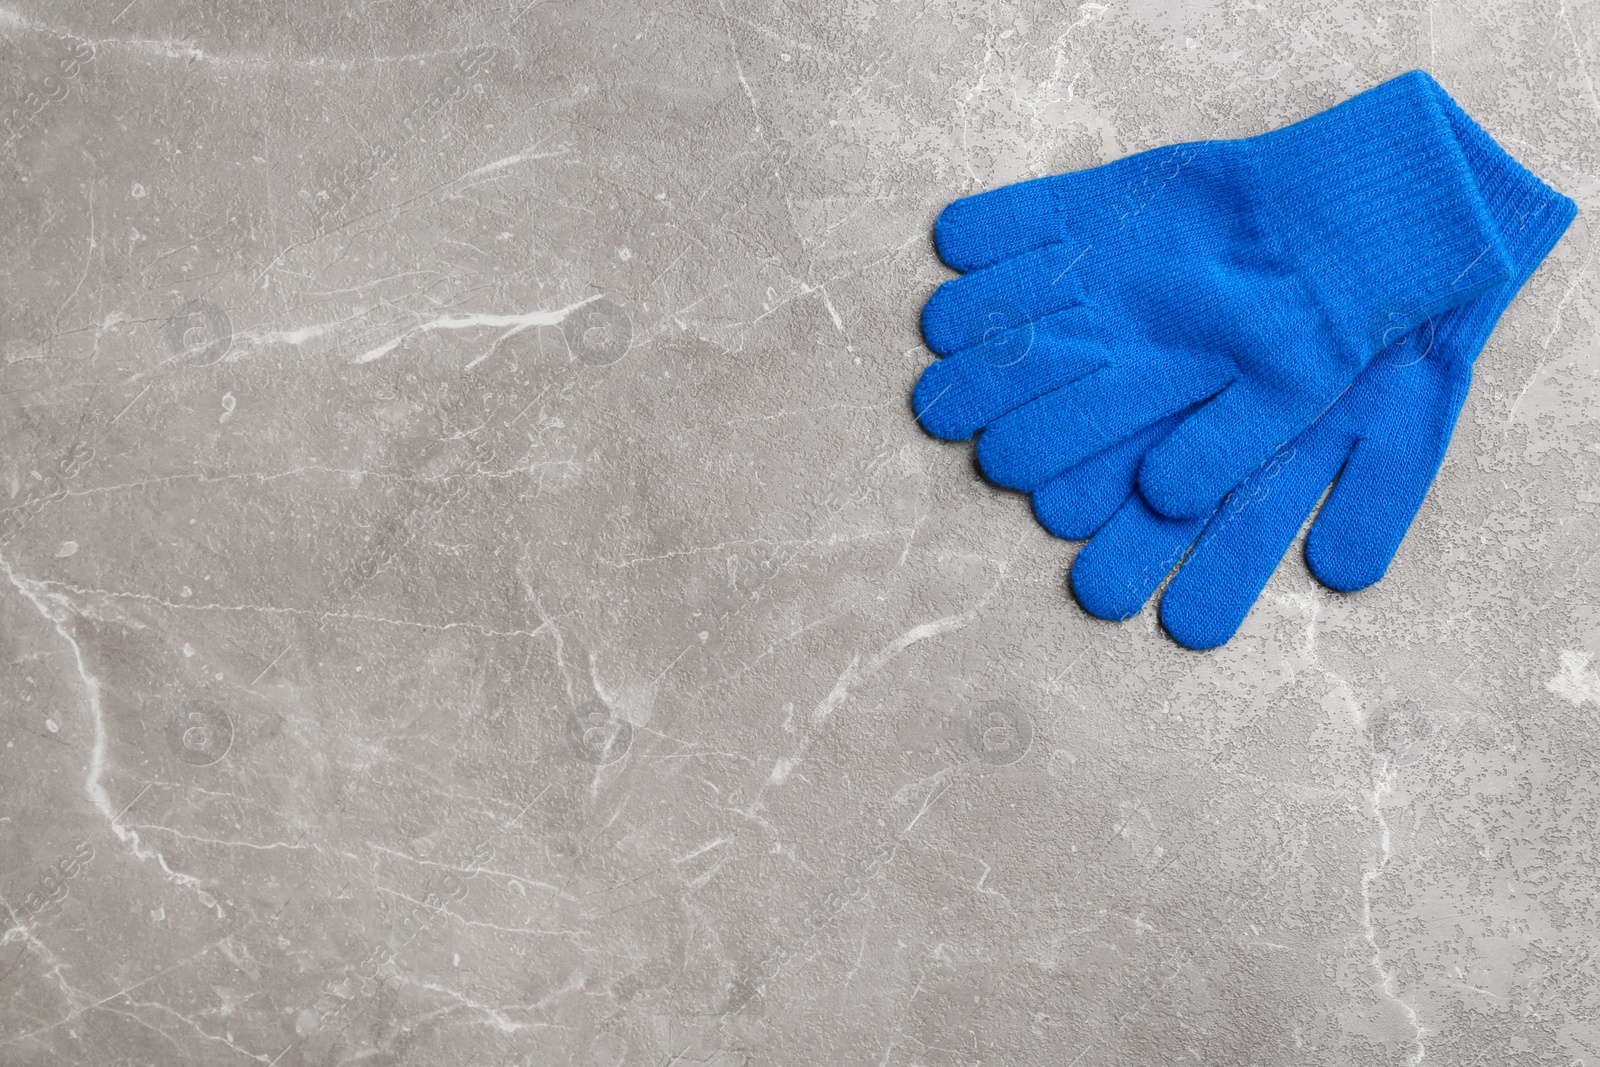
column 1380, row 213
column 1530, row 216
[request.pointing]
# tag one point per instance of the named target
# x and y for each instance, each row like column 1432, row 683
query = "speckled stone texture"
column 475, row 594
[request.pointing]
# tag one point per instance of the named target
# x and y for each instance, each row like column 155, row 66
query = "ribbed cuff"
column 1377, row 207
column 1529, row 215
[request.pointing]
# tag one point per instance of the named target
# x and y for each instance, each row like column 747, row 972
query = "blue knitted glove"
column 1383, row 441
column 1247, row 280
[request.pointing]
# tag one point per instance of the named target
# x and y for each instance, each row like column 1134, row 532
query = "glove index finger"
column 981, row 230
column 1359, row 529
column 1222, row 444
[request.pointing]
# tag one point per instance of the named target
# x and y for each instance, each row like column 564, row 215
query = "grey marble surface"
column 474, row 592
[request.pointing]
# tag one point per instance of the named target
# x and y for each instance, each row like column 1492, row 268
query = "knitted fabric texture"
column 1383, row 441
column 1243, row 283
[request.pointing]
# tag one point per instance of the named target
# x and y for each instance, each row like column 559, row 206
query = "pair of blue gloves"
column 1175, row 354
